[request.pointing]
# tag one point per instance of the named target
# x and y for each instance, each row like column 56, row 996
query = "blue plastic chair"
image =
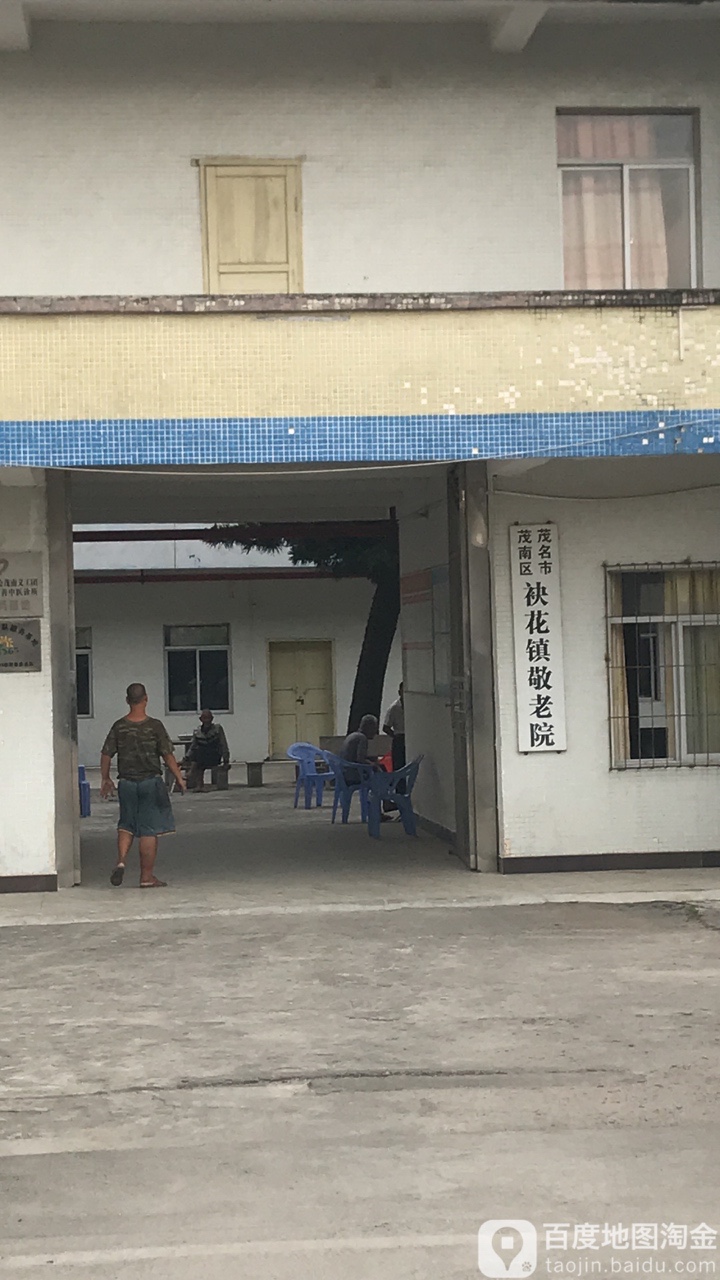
column 396, row 788
column 309, row 778
column 349, row 778
column 84, row 788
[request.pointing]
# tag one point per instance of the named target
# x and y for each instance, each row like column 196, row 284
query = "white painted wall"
column 424, row 545
column 428, row 162
column 127, row 634
column 38, row 779
column 169, row 554
column 571, row 803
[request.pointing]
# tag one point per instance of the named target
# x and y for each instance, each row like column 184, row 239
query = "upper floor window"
column 628, row 199
column 251, row 226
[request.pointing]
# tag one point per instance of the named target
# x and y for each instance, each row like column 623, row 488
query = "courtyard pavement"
column 314, row 1055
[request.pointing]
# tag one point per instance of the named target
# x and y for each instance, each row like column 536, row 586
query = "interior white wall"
column 127, row 635
column 428, row 162
column 424, row 545
column 571, row 802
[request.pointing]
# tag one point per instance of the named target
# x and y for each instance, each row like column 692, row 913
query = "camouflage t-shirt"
column 139, row 746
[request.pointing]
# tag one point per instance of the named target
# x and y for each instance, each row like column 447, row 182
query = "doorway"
column 301, row 692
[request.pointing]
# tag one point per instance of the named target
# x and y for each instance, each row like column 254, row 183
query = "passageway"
column 238, row 841
column 249, row 846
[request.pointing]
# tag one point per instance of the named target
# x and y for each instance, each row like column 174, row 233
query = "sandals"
column 118, row 875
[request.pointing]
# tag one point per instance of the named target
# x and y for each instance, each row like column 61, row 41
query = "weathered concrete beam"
column 511, row 29
column 14, row 26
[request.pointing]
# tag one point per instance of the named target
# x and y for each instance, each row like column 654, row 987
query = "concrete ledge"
column 609, row 862
column 329, row 303
column 28, row 884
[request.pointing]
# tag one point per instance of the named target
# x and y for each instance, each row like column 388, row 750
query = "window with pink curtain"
column 627, row 197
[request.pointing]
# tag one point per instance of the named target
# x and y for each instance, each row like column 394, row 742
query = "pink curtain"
column 621, row 139
column 593, row 204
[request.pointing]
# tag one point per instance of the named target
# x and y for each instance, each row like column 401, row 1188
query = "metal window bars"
column 663, row 660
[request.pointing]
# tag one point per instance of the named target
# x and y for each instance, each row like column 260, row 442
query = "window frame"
column 691, row 166
column 676, row 625
column 85, row 651
column 198, row 649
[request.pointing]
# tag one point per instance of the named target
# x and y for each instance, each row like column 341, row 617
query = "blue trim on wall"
column 414, row 438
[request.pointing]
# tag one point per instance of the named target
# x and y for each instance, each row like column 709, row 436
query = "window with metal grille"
column 197, row 667
column 663, row 656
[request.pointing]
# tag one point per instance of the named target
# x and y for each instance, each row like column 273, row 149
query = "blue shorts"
column 145, row 808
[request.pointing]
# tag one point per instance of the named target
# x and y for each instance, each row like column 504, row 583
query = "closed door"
column 301, row 693
column 252, row 228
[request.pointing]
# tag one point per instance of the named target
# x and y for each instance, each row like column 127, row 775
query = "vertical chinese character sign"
column 535, row 575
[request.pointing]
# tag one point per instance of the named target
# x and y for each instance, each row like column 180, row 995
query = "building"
column 271, row 647
column 461, row 261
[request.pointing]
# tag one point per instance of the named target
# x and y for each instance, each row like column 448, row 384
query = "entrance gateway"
column 393, row 403
column 301, row 678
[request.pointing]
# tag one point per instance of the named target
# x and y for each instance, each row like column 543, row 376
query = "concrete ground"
column 314, row 1055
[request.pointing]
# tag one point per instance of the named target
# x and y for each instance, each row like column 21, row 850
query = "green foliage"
column 372, row 558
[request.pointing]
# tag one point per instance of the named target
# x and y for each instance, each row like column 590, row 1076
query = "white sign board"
column 21, row 592
column 537, row 625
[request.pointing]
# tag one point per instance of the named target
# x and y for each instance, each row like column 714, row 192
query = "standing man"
column 394, row 724
column 208, row 748
column 140, row 743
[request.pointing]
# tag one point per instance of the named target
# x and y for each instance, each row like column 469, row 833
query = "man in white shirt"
column 394, row 725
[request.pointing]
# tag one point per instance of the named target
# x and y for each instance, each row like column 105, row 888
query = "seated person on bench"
column 207, row 749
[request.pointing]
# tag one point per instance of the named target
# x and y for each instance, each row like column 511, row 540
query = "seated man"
column 208, row 749
column 355, row 747
column 355, row 750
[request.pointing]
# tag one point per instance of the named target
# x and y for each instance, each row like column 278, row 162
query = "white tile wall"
column 27, row 792
column 429, row 163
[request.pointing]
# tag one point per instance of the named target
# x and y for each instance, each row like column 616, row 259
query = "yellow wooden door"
column 252, row 227
column 301, row 693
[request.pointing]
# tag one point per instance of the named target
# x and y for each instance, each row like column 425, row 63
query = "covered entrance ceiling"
column 227, row 494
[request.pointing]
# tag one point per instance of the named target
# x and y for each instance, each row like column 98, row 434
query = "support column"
column 473, row 693
column 39, row 827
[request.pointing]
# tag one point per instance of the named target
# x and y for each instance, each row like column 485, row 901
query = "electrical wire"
column 207, row 472
column 601, row 497
column 375, row 468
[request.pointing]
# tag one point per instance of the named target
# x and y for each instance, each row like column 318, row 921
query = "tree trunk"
column 375, row 653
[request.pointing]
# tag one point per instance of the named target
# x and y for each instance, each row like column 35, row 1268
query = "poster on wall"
column 20, row 648
column 417, row 631
column 21, row 591
column 537, row 627
column 441, row 628
column 425, row 597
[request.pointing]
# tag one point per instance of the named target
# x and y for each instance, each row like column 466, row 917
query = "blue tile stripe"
column 98, row 442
